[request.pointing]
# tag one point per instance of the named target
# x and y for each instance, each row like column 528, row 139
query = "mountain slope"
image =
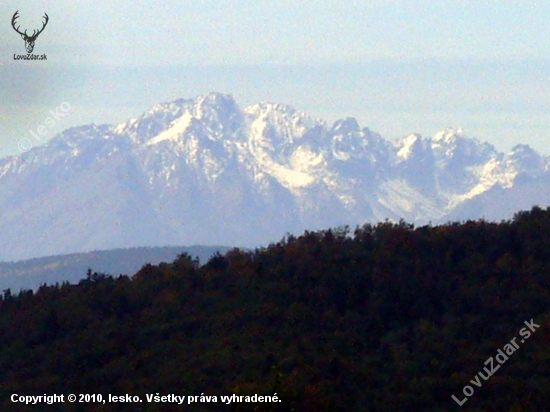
column 32, row 273
column 205, row 171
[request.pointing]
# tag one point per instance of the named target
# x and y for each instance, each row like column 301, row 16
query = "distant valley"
column 32, row 273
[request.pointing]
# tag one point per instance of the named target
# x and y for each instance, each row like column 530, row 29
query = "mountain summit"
column 206, row 171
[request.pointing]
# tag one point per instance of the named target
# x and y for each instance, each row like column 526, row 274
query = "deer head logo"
column 29, row 40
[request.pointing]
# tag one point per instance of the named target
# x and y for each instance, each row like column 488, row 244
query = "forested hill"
column 386, row 318
column 32, row 273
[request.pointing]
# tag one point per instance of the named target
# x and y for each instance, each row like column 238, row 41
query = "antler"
column 35, row 35
column 14, row 18
column 29, row 40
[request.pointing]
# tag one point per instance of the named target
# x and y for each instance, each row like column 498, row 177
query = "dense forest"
column 385, row 317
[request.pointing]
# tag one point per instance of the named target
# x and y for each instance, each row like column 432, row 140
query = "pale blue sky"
column 398, row 66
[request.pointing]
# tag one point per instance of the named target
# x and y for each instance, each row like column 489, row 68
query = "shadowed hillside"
column 384, row 318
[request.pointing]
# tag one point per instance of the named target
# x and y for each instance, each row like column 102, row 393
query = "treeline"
column 32, row 273
column 382, row 318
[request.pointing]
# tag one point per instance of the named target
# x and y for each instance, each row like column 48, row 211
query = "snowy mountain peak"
column 452, row 147
column 345, row 126
column 523, row 151
column 448, row 136
column 215, row 106
column 279, row 125
column 408, row 145
column 206, row 171
column 524, row 159
column 216, row 99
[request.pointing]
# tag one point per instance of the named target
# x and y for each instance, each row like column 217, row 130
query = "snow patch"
column 177, row 128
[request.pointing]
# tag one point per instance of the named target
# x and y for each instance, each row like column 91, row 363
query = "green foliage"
column 384, row 318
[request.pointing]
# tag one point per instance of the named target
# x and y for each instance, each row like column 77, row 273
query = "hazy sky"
column 398, row 66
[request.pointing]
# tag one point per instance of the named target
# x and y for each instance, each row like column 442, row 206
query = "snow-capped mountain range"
column 206, row 171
